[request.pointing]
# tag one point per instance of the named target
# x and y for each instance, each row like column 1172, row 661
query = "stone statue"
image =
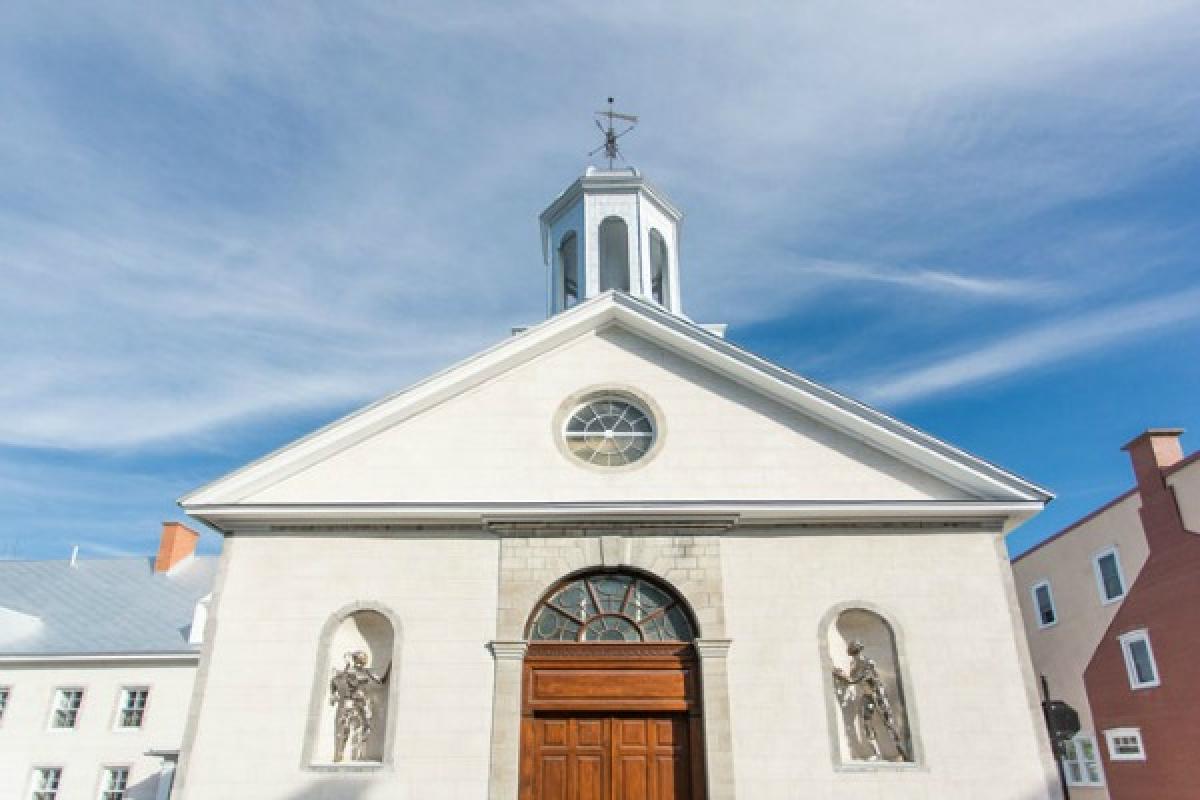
column 873, row 697
column 349, row 693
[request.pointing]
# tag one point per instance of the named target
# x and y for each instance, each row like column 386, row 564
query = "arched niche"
column 568, row 265
column 871, row 718
column 373, row 630
column 614, row 254
column 659, row 271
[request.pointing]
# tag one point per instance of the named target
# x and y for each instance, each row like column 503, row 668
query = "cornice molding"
column 508, row 650
column 713, row 648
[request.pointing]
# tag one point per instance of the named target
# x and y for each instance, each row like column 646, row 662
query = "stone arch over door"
column 534, row 562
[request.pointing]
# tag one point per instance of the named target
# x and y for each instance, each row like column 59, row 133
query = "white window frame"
column 33, row 782
column 103, row 791
column 5, row 701
column 54, row 709
column 1127, row 640
column 1037, row 608
column 1105, row 600
column 122, row 694
column 1084, row 781
column 1112, row 734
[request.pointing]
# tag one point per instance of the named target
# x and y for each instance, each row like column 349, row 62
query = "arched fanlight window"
column 568, row 259
column 611, row 606
column 614, row 254
column 658, row 267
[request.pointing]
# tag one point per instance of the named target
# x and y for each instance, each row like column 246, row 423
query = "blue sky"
column 222, row 225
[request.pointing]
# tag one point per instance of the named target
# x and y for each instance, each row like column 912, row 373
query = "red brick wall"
column 1165, row 600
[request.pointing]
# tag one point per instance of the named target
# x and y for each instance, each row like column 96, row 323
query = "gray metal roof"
column 101, row 606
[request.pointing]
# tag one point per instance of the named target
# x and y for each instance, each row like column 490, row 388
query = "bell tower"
column 611, row 229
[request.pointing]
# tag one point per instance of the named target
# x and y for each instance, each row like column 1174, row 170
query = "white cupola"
column 611, row 230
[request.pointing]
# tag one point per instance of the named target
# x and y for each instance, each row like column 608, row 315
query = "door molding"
column 600, row 676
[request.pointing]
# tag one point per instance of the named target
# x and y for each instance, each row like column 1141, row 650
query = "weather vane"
column 611, row 151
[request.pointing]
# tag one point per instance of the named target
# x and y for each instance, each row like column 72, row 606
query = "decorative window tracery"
column 611, row 607
column 609, row 432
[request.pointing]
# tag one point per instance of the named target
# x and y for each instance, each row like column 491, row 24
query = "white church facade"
column 615, row 556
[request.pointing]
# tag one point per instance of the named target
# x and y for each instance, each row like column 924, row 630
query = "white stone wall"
column 26, row 739
column 276, row 595
column 976, row 731
column 500, row 442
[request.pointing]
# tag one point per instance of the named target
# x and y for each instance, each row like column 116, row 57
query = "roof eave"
column 34, row 657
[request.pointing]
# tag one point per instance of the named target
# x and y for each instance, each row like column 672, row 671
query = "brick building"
column 1111, row 606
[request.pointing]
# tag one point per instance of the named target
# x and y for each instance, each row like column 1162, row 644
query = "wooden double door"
column 620, row 757
column 603, row 721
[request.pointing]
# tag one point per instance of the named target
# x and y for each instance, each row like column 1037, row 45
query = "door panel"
column 609, row 758
column 591, row 758
column 653, row 758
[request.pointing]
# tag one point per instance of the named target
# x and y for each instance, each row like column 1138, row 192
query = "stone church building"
column 615, row 556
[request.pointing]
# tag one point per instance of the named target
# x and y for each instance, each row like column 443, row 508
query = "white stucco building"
column 617, row 556
column 97, row 661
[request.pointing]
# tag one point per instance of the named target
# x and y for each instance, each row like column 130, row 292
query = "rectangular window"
column 44, row 785
column 1043, row 603
column 4, row 693
column 113, row 783
column 66, row 708
column 1125, row 744
column 133, row 707
column 1081, row 762
column 1109, row 578
column 1139, row 660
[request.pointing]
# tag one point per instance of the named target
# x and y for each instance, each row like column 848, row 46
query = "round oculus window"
column 609, row 432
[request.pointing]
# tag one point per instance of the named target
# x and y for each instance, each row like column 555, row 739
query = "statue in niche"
column 862, row 682
column 350, row 694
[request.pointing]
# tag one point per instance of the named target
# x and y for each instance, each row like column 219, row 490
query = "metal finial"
column 611, row 151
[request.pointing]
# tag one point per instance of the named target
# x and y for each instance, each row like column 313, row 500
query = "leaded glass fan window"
column 611, row 607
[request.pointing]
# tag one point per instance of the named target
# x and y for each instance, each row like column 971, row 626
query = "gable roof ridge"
column 881, row 418
column 856, row 418
column 428, row 380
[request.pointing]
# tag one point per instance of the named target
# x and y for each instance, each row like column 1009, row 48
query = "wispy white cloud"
column 225, row 215
column 931, row 280
column 1040, row 346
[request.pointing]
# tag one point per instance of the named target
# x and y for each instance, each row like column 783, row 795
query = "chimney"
column 1152, row 452
column 177, row 543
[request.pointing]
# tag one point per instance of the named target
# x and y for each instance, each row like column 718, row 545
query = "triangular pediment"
column 733, row 429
